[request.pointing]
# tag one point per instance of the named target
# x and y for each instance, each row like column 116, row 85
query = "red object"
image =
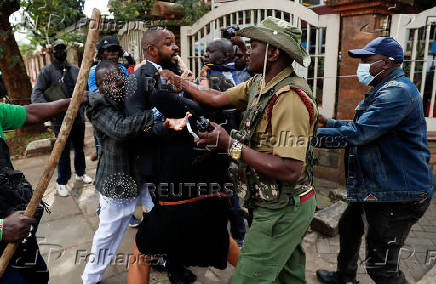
column 131, row 69
column 427, row 110
column 195, row 199
column 306, row 197
column 303, row 98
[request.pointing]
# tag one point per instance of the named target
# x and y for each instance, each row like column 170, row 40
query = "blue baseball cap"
column 386, row 46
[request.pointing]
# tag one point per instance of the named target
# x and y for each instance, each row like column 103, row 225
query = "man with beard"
column 116, row 179
column 272, row 170
column 62, row 71
column 184, row 220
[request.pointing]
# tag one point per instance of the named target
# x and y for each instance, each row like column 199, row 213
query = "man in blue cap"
column 387, row 166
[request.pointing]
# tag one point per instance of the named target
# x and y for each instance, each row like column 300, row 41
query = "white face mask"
column 363, row 73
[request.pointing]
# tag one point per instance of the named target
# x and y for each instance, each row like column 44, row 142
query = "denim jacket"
column 387, row 156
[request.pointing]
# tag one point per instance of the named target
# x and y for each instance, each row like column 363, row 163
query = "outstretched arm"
column 208, row 97
column 40, row 112
column 388, row 109
column 118, row 127
column 284, row 169
column 170, row 104
column 37, row 113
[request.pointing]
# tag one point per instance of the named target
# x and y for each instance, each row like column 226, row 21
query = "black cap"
column 108, row 41
column 59, row 42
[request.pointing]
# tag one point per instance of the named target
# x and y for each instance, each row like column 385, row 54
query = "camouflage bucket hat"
column 280, row 34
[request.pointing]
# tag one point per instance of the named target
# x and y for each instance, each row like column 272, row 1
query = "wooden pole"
column 67, row 124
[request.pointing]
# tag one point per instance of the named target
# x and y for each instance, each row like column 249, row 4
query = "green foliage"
column 74, row 38
column 194, row 10
column 43, row 19
column 125, row 10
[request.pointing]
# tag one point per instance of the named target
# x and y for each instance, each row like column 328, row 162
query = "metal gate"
column 417, row 35
column 320, row 39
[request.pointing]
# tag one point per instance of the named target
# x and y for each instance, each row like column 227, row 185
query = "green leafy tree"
column 41, row 19
column 131, row 10
column 194, row 10
column 45, row 18
column 11, row 63
column 125, row 11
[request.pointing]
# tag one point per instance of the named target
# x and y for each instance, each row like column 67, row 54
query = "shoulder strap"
column 291, row 82
column 61, row 80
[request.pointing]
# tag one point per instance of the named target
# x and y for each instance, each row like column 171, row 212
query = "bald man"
column 219, row 71
column 219, row 51
column 161, row 52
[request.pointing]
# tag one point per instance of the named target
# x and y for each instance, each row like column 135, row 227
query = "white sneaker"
column 62, row 190
column 85, row 178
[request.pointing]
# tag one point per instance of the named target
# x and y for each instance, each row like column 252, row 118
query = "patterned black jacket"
column 114, row 130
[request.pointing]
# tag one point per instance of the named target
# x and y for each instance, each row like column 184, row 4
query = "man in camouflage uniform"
column 272, row 156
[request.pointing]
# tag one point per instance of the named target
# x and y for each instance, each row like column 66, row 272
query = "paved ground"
column 66, row 235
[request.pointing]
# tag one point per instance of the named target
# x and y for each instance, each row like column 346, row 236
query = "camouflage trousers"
column 272, row 251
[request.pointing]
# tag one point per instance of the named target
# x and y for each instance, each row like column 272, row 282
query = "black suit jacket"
column 162, row 155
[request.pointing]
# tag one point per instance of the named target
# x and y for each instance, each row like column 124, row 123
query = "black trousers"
column 75, row 140
column 389, row 224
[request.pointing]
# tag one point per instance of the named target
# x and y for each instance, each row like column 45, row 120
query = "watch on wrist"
column 235, row 150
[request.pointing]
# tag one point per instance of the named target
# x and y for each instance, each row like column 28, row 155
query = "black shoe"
column 158, row 267
column 182, row 277
column 329, row 277
column 188, row 276
column 240, row 243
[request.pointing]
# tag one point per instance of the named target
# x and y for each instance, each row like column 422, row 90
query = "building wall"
column 130, row 37
column 357, row 31
column 432, row 146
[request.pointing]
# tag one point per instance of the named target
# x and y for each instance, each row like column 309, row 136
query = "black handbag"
column 54, row 92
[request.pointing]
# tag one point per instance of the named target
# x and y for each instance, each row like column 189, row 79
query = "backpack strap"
column 64, row 72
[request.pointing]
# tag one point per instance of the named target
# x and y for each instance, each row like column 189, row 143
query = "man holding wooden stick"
column 14, row 225
column 76, row 101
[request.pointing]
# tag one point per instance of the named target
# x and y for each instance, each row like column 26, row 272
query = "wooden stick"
column 82, row 80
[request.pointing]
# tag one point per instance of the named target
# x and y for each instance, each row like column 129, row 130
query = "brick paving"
column 417, row 258
column 68, row 231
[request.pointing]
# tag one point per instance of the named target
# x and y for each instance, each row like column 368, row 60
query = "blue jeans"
column 75, row 140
